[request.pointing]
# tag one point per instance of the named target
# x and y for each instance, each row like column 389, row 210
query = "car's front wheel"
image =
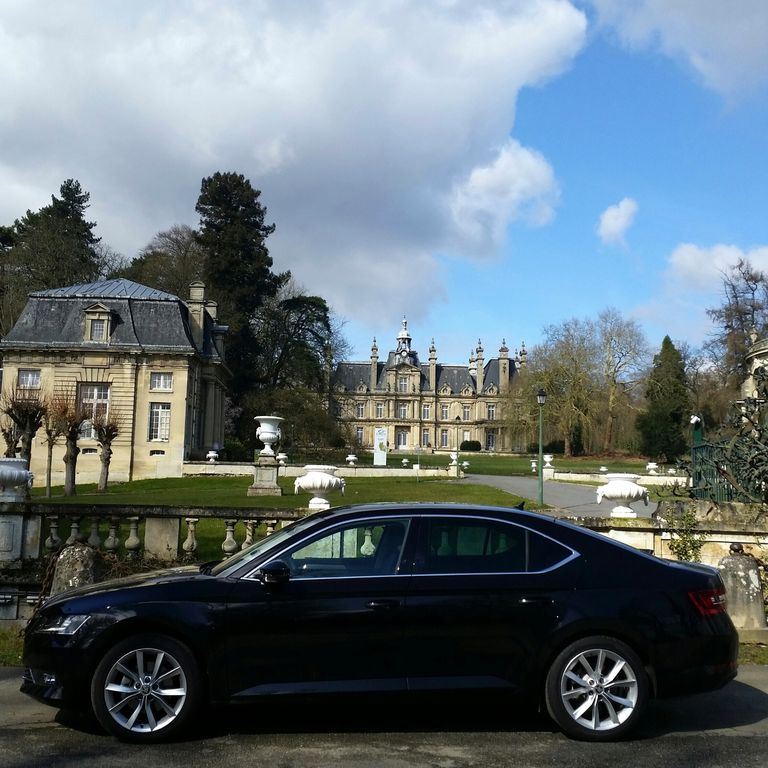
column 596, row 689
column 146, row 688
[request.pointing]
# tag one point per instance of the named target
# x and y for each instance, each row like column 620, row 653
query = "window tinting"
column 488, row 546
column 372, row 548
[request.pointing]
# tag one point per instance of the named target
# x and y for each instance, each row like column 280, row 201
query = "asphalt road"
column 725, row 728
column 572, row 499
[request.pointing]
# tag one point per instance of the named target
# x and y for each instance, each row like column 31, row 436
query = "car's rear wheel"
column 146, row 688
column 596, row 689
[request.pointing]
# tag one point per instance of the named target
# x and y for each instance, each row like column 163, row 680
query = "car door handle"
column 379, row 605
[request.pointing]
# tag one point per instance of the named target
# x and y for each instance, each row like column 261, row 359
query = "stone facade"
column 153, row 361
column 428, row 406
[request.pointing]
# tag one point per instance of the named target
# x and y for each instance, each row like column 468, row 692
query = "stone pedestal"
column 161, row 538
column 741, row 577
column 19, row 534
column 265, row 478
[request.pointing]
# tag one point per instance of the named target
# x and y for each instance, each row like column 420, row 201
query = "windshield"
column 262, row 545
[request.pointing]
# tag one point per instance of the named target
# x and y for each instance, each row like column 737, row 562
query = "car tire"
column 596, row 689
column 146, row 688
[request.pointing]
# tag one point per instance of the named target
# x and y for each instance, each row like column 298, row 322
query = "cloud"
column 702, row 269
column 378, row 132
column 723, row 42
column 616, row 220
column 518, row 184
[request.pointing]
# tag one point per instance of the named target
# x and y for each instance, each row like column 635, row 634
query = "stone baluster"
column 190, row 543
column 74, row 530
column 229, row 546
column 53, row 542
column 112, row 542
column 94, row 540
column 133, row 542
column 250, row 527
column 270, row 526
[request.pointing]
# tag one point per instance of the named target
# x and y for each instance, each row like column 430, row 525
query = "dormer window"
column 98, row 330
column 97, row 325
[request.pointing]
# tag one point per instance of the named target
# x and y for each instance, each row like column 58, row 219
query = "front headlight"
column 65, row 625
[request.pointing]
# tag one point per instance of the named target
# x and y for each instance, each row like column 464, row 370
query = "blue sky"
column 450, row 161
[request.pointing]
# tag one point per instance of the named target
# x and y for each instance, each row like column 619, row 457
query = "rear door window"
column 468, row 545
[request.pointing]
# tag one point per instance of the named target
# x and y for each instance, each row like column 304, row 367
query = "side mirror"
column 274, row 572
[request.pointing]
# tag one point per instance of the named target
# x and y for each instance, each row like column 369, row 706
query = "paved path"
column 572, row 498
column 713, row 730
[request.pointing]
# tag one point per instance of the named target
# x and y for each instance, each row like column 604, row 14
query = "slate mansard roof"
column 142, row 318
column 349, row 376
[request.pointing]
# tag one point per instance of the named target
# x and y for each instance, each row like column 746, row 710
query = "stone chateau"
column 148, row 358
column 428, row 405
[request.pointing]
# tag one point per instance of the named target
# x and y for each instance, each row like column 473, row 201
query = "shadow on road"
column 737, row 705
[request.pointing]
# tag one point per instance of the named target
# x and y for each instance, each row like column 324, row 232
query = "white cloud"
column 616, row 220
column 702, row 269
column 368, row 126
column 518, row 184
column 724, row 42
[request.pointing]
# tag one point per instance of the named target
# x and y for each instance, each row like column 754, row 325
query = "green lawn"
column 212, row 491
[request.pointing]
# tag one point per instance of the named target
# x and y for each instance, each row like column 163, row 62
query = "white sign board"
column 380, row 447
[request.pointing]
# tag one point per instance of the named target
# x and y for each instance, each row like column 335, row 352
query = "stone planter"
column 623, row 488
column 319, row 480
column 268, row 432
column 15, row 479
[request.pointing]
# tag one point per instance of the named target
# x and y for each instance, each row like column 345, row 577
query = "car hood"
column 161, row 576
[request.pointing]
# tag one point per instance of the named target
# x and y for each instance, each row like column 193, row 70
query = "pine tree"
column 663, row 425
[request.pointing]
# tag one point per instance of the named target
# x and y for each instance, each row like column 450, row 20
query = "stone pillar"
column 741, row 577
column 161, row 537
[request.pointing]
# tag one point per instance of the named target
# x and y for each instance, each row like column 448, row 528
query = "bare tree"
column 25, row 408
column 566, row 366
column 625, row 355
column 11, row 436
column 106, row 427
column 54, row 426
column 71, row 414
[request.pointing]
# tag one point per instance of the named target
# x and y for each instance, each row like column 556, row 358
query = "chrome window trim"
column 250, row 576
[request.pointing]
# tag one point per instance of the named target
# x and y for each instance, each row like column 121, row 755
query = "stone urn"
column 15, row 479
column 548, row 460
column 319, row 480
column 268, row 432
column 623, row 488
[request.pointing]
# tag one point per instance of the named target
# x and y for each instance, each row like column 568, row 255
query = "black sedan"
column 391, row 597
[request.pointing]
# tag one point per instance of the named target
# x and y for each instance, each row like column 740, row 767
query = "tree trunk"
column 48, row 469
column 70, row 465
column 106, row 458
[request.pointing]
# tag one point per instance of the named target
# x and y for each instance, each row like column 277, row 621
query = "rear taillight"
column 709, row 602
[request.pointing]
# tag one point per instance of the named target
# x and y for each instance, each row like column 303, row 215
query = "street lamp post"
column 541, row 398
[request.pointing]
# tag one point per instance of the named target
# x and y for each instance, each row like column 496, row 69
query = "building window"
column 466, row 411
column 491, row 411
column 402, row 384
column 98, row 330
column 379, row 410
column 359, row 435
column 160, row 381
column 29, row 378
column 443, row 438
column 490, row 440
column 159, row 421
column 425, row 411
column 402, row 410
column 401, row 438
column 359, row 410
column 443, row 412
column 424, row 438
column 94, row 400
